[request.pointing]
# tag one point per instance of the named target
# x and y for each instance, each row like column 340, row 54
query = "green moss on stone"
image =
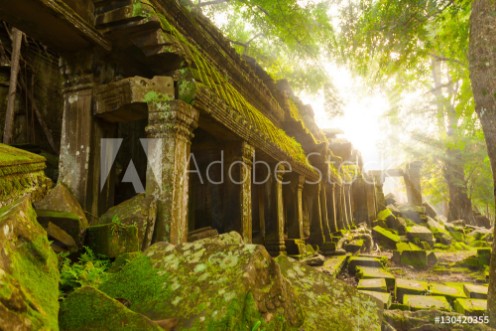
column 89, row 309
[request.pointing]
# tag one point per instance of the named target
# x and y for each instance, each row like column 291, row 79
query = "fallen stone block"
column 484, row 255
column 372, row 284
column 314, row 261
column 60, row 207
column 90, row 309
column 431, row 259
column 112, row 239
column 418, row 302
column 450, row 291
column 416, row 214
column 471, row 307
column 334, row 264
column 383, row 298
column 140, row 211
column 67, row 221
column 202, row 233
column 370, row 272
column 419, row 233
column 29, row 274
column 407, row 286
column 410, row 255
column 61, row 238
column 385, row 238
column 475, row 291
column 363, row 261
column 354, row 245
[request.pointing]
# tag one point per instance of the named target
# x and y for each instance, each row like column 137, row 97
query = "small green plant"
column 90, row 269
column 256, row 326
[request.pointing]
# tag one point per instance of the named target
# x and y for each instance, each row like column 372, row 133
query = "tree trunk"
column 482, row 59
column 14, row 69
column 460, row 206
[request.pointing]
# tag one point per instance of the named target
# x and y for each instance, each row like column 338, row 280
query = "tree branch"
column 210, row 3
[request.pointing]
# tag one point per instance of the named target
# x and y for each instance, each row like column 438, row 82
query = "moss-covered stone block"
column 333, row 265
column 418, row 233
column 363, row 261
column 385, row 238
column 417, row 302
column 414, row 213
column 60, row 206
column 330, row 304
column 471, row 307
column 89, row 309
column 414, row 258
column 399, row 306
column 450, row 291
column 21, row 175
column 210, row 284
column 140, row 211
column 354, row 245
column 383, row 298
column 475, row 291
column 484, row 255
column 112, row 239
column 67, row 221
column 370, row 272
column 408, row 286
column 372, row 284
column 29, row 276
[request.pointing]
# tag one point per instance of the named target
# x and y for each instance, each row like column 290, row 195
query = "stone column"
column 247, row 153
column 275, row 243
column 170, row 130
column 412, row 183
column 299, row 202
column 237, row 193
column 331, row 198
column 76, row 145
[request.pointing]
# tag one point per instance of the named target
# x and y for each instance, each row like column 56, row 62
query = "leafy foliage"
column 289, row 39
column 90, row 269
column 408, row 46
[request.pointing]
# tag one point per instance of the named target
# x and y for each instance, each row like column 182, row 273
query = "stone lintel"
column 126, row 100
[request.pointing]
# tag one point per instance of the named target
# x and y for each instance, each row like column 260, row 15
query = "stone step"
column 372, row 284
column 362, row 261
column 382, row 297
column 407, row 286
column 417, row 302
column 471, row 307
column 475, row 291
column 371, row 272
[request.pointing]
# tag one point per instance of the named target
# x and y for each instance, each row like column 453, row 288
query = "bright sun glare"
column 363, row 110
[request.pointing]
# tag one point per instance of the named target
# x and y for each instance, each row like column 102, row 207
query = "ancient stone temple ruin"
column 148, row 96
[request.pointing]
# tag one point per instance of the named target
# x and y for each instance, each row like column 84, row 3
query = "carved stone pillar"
column 75, row 164
column 299, row 202
column 237, row 191
column 170, row 130
column 275, row 243
column 247, row 153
